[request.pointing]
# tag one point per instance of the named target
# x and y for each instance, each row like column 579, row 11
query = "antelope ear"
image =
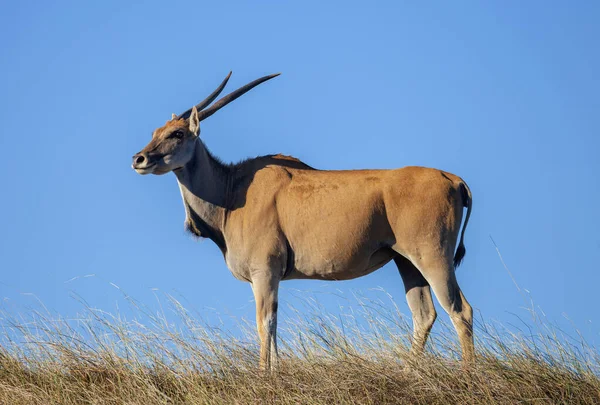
column 173, row 117
column 194, row 122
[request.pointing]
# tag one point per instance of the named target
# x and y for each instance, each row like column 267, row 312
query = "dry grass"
column 359, row 356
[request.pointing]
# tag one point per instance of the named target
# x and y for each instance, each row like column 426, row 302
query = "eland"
column 275, row 218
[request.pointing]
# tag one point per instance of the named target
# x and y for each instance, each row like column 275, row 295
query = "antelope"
column 275, row 218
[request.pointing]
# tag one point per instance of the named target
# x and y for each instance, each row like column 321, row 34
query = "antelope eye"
column 176, row 134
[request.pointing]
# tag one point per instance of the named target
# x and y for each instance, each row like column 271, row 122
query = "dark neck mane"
column 211, row 188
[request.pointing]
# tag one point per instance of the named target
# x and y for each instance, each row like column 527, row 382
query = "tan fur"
column 275, row 218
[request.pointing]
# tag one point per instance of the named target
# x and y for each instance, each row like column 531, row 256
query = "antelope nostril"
column 139, row 159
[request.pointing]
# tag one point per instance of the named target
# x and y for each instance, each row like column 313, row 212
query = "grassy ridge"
column 360, row 356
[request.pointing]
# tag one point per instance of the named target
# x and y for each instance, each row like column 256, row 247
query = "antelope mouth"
column 145, row 170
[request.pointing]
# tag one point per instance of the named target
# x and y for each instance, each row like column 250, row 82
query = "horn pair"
column 203, row 114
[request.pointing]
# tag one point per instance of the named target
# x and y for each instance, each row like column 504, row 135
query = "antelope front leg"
column 265, row 289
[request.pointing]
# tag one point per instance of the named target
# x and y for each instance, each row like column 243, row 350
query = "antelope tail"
column 467, row 199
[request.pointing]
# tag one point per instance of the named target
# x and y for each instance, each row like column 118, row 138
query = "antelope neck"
column 203, row 183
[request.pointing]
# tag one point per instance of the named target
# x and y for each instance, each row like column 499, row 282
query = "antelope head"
column 172, row 145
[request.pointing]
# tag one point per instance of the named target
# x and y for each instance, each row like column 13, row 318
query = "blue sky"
column 505, row 95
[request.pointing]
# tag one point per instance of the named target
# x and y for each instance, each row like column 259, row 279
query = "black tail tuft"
column 458, row 256
column 467, row 200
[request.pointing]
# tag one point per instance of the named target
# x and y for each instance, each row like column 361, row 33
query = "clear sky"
column 505, row 95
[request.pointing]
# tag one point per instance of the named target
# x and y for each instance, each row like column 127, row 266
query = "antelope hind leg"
column 420, row 302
